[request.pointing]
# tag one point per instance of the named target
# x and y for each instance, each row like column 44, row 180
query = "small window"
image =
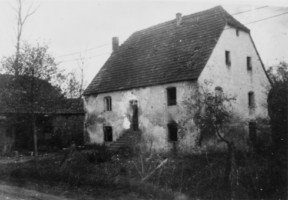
column 172, row 132
column 218, row 93
column 251, row 100
column 171, row 96
column 108, row 134
column 249, row 64
column 227, row 58
column 252, row 132
column 237, row 32
column 108, row 103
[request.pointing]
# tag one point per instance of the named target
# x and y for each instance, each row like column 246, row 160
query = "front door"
column 134, row 105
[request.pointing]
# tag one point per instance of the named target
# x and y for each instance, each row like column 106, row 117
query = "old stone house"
column 145, row 81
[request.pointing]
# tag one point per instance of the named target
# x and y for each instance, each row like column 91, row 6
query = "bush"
column 97, row 153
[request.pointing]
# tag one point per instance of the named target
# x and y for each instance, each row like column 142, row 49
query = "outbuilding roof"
column 15, row 97
column 164, row 53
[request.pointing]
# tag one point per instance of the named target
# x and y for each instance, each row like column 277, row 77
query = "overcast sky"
column 85, row 27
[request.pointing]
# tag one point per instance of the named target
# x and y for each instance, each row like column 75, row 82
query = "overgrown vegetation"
column 278, row 112
column 183, row 175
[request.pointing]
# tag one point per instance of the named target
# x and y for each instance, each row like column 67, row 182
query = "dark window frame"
column 228, row 58
column 172, row 132
column 218, row 93
column 107, row 103
column 237, row 32
column 249, row 63
column 171, row 96
column 108, row 133
column 251, row 100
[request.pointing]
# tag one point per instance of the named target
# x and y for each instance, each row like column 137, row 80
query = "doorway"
column 135, row 121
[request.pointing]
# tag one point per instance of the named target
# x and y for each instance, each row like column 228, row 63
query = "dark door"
column 135, row 125
column 108, row 134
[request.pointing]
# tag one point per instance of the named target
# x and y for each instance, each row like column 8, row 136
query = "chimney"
column 178, row 19
column 115, row 44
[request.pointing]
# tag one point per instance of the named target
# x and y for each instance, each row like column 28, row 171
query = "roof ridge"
column 163, row 24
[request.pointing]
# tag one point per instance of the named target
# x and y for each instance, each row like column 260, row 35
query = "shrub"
column 97, row 153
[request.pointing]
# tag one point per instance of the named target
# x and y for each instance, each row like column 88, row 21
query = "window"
column 249, row 64
column 252, row 132
column 237, row 32
column 108, row 103
column 108, row 135
column 171, row 96
column 227, row 58
column 172, row 132
column 218, row 93
column 251, row 100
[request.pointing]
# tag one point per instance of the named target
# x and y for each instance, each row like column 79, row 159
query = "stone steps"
column 124, row 140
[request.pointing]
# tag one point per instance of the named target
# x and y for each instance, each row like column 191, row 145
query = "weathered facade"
column 147, row 80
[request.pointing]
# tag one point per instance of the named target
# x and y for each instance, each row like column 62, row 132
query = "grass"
column 98, row 173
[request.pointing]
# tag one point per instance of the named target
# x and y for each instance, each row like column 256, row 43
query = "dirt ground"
column 12, row 192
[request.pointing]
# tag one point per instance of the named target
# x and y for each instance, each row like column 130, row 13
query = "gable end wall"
column 236, row 80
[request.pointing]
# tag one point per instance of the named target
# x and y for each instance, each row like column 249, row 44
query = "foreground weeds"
column 151, row 176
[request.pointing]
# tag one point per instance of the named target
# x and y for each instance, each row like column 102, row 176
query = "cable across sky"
column 103, row 45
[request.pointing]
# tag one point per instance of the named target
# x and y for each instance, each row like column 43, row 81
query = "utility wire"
column 90, row 57
column 226, row 28
column 263, row 19
column 77, row 52
column 238, row 13
column 267, row 18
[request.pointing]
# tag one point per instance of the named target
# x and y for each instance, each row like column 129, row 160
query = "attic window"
column 108, row 134
column 108, row 103
column 172, row 132
column 227, row 58
column 237, row 32
column 171, row 96
column 249, row 63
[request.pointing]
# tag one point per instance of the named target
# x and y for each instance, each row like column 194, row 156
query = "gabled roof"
column 164, row 53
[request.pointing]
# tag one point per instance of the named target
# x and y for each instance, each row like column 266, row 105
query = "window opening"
column 251, row 100
column 227, row 58
column 108, row 134
column 172, row 132
column 249, row 64
column 171, row 96
column 108, row 103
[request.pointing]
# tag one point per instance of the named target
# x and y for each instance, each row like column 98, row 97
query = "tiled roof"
column 164, row 53
column 71, row 106
column 13, row 97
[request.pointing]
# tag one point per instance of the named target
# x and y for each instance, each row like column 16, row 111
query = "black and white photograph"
column 143, row 100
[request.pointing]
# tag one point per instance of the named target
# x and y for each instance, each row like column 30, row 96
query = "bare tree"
column 37, row 71
column 81, row 66
column 22, row 17
column 73, row 85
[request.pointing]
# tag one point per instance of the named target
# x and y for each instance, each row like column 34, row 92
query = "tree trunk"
column 231, row 171
column 35, row 140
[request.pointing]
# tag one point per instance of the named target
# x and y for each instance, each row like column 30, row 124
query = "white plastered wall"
column 236, row 80
column 154, row 114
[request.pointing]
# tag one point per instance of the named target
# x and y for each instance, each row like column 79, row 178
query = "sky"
column 79, row 32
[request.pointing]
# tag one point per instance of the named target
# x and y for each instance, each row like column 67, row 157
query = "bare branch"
column 158, row 167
